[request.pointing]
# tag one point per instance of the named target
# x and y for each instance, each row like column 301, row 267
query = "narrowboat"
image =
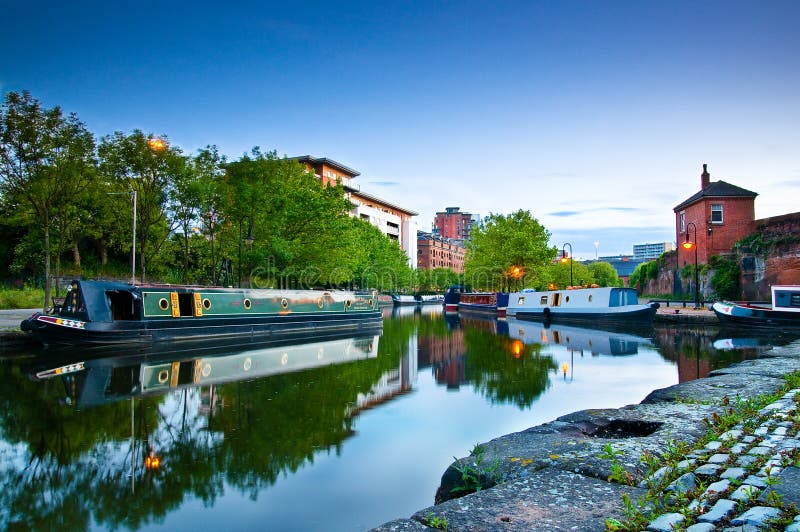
column 451, row 298
column 107, row 312
column 430, row 299
column 493, row 303
column 784, row 312
column 597, row 306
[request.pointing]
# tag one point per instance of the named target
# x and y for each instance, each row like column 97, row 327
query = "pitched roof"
column 717, row 189
column 324, row 160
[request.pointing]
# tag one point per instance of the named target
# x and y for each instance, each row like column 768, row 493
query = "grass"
column 13, row 298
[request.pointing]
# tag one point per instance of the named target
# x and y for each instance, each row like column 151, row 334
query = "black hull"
column 774, row 320
column 243, row 329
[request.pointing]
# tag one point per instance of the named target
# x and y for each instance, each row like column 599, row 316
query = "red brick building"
column 452, row 223
column 715, row 218
column 434, row 251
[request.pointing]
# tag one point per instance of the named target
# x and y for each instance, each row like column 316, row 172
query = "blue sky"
column 594, row 115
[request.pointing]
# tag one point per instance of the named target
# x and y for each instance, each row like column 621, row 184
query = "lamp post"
column 688, row 244
column 564, row 258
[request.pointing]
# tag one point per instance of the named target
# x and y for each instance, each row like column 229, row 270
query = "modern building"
column 452, row 223
column 434, row 251
column 714, row 219
column 393, row 220
column 651, row 251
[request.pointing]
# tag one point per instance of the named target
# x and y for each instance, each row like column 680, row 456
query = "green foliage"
column 435, row 280
column 502, row 243
column 764, row 244
column 558, row 275
column 725, row 280
column 477, row 477
column 604, row 274
column 12, row 298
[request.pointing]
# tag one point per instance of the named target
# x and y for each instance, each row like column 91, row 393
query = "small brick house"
column 715, row 218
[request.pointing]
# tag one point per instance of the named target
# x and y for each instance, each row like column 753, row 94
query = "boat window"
column 556, row 300
column 123, row 305
column 543, row 301
column 521, row 300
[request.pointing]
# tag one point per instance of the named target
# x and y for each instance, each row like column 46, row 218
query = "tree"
column 45, row 160
column 374, row 260
column 506, row 251
column 149, row 166
column 604, row 274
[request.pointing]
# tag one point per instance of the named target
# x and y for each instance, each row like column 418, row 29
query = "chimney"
column 705, row 178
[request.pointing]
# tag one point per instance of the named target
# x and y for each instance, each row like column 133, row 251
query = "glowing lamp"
column 156, row 144
column 688, row 245
column 152, row 462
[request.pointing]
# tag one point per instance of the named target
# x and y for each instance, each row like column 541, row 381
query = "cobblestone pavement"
column 749, row 472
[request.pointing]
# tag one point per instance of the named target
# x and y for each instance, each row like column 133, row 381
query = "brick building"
column 715, row 217
column 394, row 221
column 434, row 251
column 452, row 223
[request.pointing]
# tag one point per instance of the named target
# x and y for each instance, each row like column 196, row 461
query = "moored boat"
column 581, row 305
column 784, row 312
column 451, row 298
column 403, row 299
column 493, row 303
column 430, row 299
column 106, row 312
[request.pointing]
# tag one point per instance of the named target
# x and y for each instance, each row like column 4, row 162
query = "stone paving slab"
column 548, row 499
column 714, row 389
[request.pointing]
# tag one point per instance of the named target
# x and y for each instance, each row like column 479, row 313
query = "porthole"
column 320, row 303
column 590, row 298
column 163, row 376
column 284, row 303
column 247, row 304
column 207, row 304
column 347, row 304
column 206, row 371
column 567, row 300
column 163, row 304
column 248, row 363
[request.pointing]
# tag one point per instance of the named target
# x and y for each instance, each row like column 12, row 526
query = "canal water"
column 325, row 434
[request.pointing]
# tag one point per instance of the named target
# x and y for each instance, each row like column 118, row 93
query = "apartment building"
column 435, row 251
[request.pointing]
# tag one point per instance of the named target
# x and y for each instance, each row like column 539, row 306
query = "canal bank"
column 555, row 476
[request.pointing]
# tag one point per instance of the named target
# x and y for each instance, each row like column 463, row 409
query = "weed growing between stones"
column 743, row 413
column 475, row 478
column 433, row 521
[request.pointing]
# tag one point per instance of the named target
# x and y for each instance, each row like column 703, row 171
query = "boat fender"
column 546, row 313
column 655, row 305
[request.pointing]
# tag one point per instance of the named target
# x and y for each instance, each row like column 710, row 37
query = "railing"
column 683, row 303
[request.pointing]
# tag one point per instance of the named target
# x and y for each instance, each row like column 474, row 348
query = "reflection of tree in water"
column 506, row 370
column 70, row 467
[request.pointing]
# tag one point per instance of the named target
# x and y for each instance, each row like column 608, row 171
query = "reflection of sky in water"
column 392, row 466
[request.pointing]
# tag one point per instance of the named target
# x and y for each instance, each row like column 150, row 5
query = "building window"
column 682, row 217
column 716, row 213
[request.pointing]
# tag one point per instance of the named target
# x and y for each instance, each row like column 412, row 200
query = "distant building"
column 452, row 223
column 394, row 221
column 715, row 218
column 434, row 251
column 651, row 251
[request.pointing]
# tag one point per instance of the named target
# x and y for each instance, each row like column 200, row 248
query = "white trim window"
column 682, row 219
column 716, row 213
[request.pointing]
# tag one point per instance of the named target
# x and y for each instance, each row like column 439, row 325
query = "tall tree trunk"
column 76, row 255
column 46, row 263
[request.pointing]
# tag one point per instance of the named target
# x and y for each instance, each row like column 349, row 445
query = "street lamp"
column 687, row 245
column 564, row 258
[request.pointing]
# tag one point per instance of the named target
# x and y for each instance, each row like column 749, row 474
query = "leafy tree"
column 45, row 159
column 507, row 249
column 150, row 167
column 604, row 274
column 436, row 279
column 374, row 260
column 557, row 275
column 725, row 278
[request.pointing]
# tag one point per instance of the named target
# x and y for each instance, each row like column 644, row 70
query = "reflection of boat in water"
column 405, row 310
column 484, row 322
column 595, row 341
column 591, row 306
column 783, row 313
column 103, row 379
column 101, row 312
column 401, row 300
